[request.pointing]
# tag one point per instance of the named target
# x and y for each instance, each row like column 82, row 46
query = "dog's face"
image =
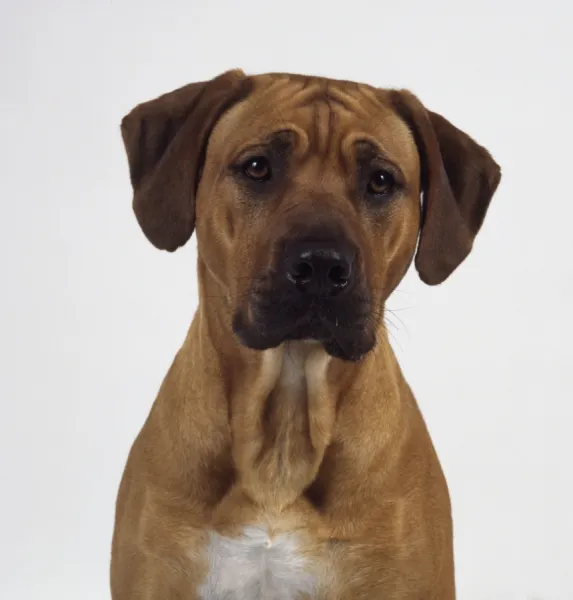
column 308, row 212
column 305, row 194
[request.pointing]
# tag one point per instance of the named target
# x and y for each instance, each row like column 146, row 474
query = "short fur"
column 299, row 461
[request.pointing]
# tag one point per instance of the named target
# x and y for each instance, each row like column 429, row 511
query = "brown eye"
column 257, row 168
column 381, row 183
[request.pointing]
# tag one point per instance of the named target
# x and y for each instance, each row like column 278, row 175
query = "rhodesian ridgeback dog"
column 285, row 455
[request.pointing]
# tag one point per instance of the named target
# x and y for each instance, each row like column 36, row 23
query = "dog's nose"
column 320, row 270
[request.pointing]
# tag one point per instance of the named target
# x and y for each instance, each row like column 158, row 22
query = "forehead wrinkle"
column 388, row 133
column 353, row 112
column 306, row 96
column 289, row 93
column 349, row 102
column 247, row 123
column 277, row 100
column 371, row 98
column 339, row 107
column 276, row 86
column 321, row 126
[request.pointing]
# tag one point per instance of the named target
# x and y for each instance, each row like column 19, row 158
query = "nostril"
column 339, row 275
column 301, row 272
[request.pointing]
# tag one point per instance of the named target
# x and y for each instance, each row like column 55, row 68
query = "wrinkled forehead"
column 326, row 116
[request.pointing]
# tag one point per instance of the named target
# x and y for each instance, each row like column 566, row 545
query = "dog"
column 285, row 455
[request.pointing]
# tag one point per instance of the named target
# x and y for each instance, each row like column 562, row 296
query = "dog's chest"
column 256, row 566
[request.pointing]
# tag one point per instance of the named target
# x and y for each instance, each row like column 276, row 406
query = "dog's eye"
column 381, row 183
column 257, row 168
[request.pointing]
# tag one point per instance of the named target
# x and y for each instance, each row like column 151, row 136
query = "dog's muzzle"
column 315, row 290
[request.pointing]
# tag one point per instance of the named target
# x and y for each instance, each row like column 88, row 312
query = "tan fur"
column 291, row 438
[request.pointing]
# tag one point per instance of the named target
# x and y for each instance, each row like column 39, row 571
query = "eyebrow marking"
column 272, row 141
column 367, row 146
column 371, row 148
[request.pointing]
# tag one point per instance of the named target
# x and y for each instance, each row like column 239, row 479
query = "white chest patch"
column 255, row 566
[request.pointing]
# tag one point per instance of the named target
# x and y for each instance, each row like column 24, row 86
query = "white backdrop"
column 91, row 314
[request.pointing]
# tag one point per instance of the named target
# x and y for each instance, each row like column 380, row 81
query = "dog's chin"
column 350, row 343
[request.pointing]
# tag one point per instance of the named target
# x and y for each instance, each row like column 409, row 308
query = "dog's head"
column 305, row 193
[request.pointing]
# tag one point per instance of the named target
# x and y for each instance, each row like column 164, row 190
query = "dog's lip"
column 314, row 308
column 332, row 320
column 334, row 339
column 338, row 324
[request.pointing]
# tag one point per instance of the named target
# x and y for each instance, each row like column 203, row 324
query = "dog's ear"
column 165, row 140
column 459, row 178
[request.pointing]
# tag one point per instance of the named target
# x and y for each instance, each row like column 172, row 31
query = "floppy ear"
column 165, row 140
column 459, row 178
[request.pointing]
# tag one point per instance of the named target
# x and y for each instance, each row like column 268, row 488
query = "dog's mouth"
column 344, row 328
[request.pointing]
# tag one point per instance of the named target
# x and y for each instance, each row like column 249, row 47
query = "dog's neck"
column 279, row 406
column 282, row 425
